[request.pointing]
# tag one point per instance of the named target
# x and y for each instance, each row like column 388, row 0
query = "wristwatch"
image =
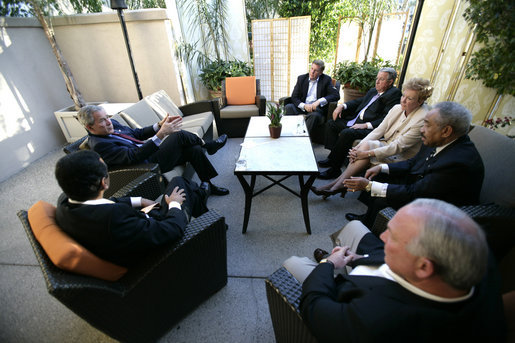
column 368, row 188
column 325, row 260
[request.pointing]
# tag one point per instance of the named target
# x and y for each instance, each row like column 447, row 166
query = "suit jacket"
column 454, row 175
column 116, row 151
column 117, row 232
column 400, row 133
column 325, row 89
column 376, row 112
column 356, row 308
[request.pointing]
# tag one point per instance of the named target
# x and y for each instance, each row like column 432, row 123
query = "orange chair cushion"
column 240, row 90
column 64, row 251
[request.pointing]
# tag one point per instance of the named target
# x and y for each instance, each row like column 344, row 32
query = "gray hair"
column 454, row 115
column 85, row 114
column 453, row 241
column 392, row 74
column 319, row 63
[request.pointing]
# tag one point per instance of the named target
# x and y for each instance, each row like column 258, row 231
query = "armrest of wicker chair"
column 72, row 147
column 283, row 292
column 261, row 104
column 198, row 107
column 154, row 295
column 285, row 100
column 148, row 185
column 121, row 176
column 382, row 219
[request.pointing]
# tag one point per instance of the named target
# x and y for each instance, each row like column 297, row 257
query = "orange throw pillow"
column 64, row 251
column 240, row 90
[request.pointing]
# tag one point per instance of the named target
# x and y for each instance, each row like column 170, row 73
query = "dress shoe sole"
column 351, row 216
column 219, row 191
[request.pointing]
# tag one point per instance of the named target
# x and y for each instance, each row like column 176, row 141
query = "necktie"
column 132, row 139
column 351, row 122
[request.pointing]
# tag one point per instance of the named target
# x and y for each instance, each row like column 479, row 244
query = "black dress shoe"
column 320, row 254
column 216, row 145
column 324, row 163
column 331, row 173
column 215, row 190
column 353, row 216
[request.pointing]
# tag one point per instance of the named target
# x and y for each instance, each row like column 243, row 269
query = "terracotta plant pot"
column 351, row 93
column 275, row 131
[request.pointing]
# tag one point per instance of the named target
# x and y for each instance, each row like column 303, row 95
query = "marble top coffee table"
column 289, row 155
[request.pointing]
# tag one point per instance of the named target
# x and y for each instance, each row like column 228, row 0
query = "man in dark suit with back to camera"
column 120, row 145
column 447, row 167
column 430, row 279
column 116, row 229
column 356, row 119
column 311, row 94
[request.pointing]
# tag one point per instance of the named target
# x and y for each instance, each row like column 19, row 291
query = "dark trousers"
column 313, row 119
column 195, row 202
column 181, row 147
column 339, row 139
column 376, row 204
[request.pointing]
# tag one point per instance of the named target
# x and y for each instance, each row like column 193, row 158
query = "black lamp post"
column 120, row 5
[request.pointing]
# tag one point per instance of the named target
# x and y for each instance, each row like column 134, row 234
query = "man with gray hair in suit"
column 356, row 119
column 430, row 279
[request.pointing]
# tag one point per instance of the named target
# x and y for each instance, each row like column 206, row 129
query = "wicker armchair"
column 234, row 119
column 318, row 134
column 152, row 296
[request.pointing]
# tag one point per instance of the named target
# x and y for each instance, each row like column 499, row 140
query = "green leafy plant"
column 275, row 114
column 361, row 76
column 493, row 63
column 216, row 71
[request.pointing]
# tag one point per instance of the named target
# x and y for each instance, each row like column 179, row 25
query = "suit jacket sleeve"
column 454, row 175
column 325, row 89
column 138, row 233
column 300, row 90
column 116, row 152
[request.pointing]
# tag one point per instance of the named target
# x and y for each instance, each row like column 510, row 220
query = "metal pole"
column 128, row 45
column 414, row 27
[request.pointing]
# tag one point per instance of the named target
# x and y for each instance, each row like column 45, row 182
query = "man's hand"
column 372, row 172
column 177, row 195
column 359, row 126
column 169, row 126
column 356, row 183
column 311, row 107
column 341, row 256
column 163, row 120
column 147, row 202
column 337, row 113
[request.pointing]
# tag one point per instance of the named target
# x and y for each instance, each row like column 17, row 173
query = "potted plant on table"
column 275, row 114
column 358, row 78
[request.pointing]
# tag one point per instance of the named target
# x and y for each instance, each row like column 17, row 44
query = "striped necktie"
column 351, row 122
column 132, row 139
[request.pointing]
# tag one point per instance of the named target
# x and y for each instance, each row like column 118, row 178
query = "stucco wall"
column 32, row 87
